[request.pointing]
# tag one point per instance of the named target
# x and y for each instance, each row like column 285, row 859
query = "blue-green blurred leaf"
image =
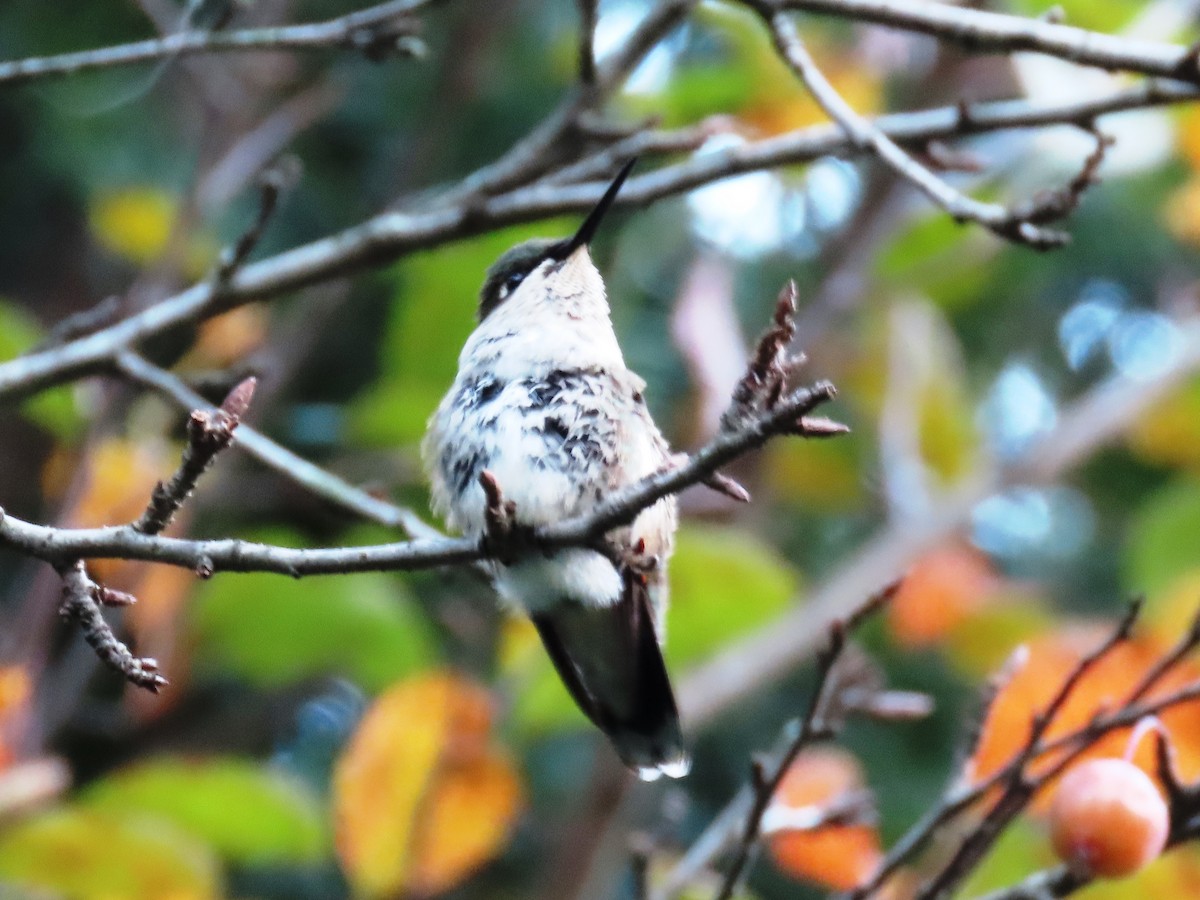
column 248, row 813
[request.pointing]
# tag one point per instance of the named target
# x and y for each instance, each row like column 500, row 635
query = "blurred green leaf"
column 822, row 476
column 273, row 630
column 947, row 261
column 246, row 812
column 1023, row 848
column 54, row 409
column 724, row 582
column 1110, row 16
column 86, row 853
column 1161, row 543
column 542, row 704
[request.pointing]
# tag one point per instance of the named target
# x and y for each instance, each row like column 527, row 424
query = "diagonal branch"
column 981, row 31
column 1025, row 227
column 390, row 235
column 81, row 600
column 311, row 477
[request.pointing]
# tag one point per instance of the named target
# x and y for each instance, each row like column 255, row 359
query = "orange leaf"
column 117, row 476
column 15, row 693
column 836, row 856
column 1104, row 687
column 941, row 589
column 422, row 798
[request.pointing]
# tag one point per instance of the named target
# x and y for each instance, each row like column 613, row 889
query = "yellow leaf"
column 228, row 338
column 421, row 796
column 1182, row 212
column 1188, row 137
column 134, row 222
column 469, row 812
column 118, row 477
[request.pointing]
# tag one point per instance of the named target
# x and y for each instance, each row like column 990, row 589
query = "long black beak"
column 587, row 230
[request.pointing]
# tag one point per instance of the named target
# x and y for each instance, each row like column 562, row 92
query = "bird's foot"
column 504, row 538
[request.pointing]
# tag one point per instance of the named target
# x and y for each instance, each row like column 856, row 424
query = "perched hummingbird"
column 544, row 403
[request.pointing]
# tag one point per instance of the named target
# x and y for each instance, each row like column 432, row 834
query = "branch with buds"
column 762, row 408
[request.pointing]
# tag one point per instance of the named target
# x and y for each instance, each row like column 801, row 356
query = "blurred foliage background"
column 380, row 735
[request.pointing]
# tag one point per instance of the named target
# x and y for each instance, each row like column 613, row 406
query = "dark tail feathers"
column 610, row 660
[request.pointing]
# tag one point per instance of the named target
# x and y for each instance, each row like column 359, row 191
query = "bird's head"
column 564, row 259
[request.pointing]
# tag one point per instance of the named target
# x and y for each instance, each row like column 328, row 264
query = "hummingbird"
column 544, row 406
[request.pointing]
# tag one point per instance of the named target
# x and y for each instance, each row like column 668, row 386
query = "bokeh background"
column 389, row 735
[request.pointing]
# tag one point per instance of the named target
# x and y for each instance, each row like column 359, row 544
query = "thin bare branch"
column 1025, row 226
column 313, row 478
column 377, row 31
column 981, row 31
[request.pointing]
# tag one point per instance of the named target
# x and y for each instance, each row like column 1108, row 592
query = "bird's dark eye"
column 513, row 281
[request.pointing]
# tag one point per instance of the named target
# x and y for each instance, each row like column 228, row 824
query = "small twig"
column 815, row 726
column 272, row 182
column 770, row 365
column 80, row 604
column 763, row 784
column 503, row 537
column 852, row 807
column 587, row 51
column 1019, row 787
column 723, row 484
column 1011, row 777
column 208, row 433
column 1169, row 660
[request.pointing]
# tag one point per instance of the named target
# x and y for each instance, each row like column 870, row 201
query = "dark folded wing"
column 610, row 661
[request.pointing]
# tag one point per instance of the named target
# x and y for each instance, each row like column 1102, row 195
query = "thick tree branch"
column 390, row 235
column 991, row 32
column 61, row 546
column 377, row 31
